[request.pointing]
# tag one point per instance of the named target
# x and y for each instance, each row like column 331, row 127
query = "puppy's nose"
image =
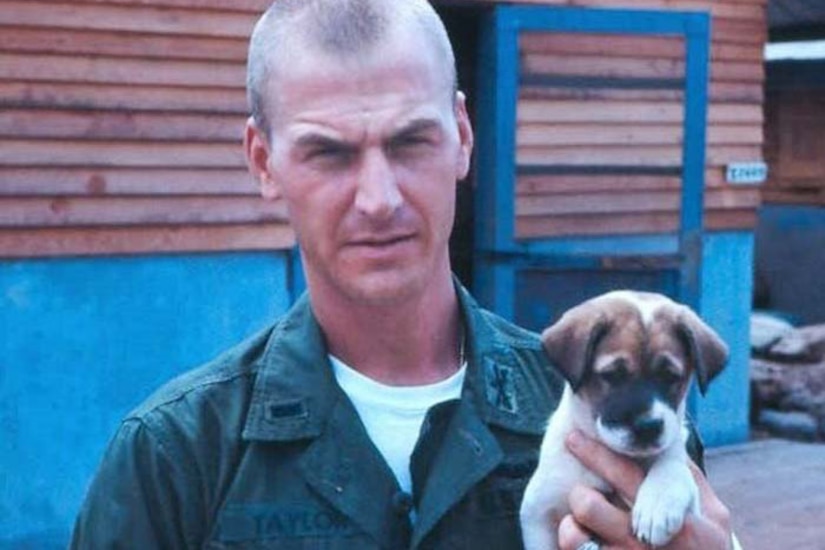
column 647, row 430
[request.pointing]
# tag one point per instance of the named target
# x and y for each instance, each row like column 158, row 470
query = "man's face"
column 366, row 154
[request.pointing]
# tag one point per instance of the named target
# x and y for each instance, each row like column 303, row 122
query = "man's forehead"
column 339, row 96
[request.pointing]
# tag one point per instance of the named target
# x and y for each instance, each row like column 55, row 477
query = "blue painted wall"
column 727, row 286
column 534, row 298
column 85, row 340
column 790, row 261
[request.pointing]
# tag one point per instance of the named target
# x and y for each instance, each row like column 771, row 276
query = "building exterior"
column 133, row 245
column 791, row 229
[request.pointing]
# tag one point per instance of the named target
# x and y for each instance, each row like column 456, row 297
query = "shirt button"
column 402, row 503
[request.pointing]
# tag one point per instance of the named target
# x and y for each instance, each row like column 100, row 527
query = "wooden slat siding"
column 752, row 52
column 801, row 197
column 724, row 47
column 119, row 211
column 540, row 185
column 546, row 111
column 109, row 70
column 727, row 71
column 127, row 18
column 148, row 46
column 794, row 132
column 113, row 154
column 121, row 97
column 747, row 11
column 735, row 134
column 724, row 155
column 729, row 9
column 120, row 181
column 592, row 155
column 251, row 6
column 732, row 31
column 560, row 184
column 602, row 111
column 602, row 45
column 719, row 92
column 139, row 240
column 609, row 203
column 548, row 135
column 528, row 92
column 120, row 125
column 628, row 224
column 592, row 127
column 612, row 66
column 603, row 127
column 189, row 37
column 736, row 92
column 120, row 129
column 620, row 201
column 596, row 224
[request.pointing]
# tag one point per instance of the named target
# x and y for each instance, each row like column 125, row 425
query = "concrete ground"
column 775, row 490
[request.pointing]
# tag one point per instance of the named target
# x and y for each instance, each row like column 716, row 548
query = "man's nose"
column 377, row 195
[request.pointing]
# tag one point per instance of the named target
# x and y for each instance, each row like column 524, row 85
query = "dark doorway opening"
column 463, row 24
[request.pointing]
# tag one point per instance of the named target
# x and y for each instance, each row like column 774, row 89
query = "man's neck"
column 411, row 342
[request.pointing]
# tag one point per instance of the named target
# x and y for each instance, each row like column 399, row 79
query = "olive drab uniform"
column 262, row 449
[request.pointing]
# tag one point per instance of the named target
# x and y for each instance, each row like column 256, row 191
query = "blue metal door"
column 533, row 278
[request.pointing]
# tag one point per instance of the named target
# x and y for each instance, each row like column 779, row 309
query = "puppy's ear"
column 571, row 342
column 707, row 352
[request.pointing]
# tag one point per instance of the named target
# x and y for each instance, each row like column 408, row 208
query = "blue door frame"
column 501, row 260
column 495, row 195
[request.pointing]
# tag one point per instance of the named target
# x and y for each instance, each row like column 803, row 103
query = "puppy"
column 628, row 358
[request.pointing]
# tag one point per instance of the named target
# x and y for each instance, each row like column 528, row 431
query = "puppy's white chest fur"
column 667, row 495
column 627, row 358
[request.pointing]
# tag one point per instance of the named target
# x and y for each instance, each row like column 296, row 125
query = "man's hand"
column 593, row 517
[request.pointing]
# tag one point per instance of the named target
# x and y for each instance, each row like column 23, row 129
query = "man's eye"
column 329, row 155
column 408, row 143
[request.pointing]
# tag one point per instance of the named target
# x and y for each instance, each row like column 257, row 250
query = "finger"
column 712, row 507
column 571, row 534
column 619, row 472
column 593, row 512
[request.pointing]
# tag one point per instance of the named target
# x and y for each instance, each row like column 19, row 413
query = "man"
column 385, row 410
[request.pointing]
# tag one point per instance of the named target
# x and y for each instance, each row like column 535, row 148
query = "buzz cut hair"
column 337, row 28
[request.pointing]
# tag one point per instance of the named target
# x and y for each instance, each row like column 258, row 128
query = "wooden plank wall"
column 599, row 124
column 120, row 126
column 120, row 129
column 795, row 146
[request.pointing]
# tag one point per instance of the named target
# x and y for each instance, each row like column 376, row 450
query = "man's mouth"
column 381, row 242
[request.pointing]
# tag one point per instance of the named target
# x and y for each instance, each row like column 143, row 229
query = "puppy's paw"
column 659, row 512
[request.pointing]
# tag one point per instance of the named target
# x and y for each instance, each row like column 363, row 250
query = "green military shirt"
column 262, row 449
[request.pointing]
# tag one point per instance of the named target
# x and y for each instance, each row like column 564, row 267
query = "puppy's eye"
column 615, row 376
column 666, row 372
column 667, row 376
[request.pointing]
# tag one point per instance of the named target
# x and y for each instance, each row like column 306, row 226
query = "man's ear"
column 258, row 153
column 465, row 136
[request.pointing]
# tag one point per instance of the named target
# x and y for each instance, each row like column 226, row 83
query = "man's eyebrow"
column 319, row 140
column 418, row 125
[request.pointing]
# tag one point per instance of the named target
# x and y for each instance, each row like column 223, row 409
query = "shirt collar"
column 296, row 390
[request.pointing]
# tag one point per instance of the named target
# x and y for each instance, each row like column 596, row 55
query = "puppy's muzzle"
column 647, row 431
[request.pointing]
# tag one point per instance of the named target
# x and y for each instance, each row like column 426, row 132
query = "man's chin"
column 381, row 287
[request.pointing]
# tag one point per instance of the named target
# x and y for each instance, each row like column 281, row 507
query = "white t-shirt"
column 393, row 415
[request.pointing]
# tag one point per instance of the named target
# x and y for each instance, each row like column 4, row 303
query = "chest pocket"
column 501, row 492
column 488, row 517
column 285, row 527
